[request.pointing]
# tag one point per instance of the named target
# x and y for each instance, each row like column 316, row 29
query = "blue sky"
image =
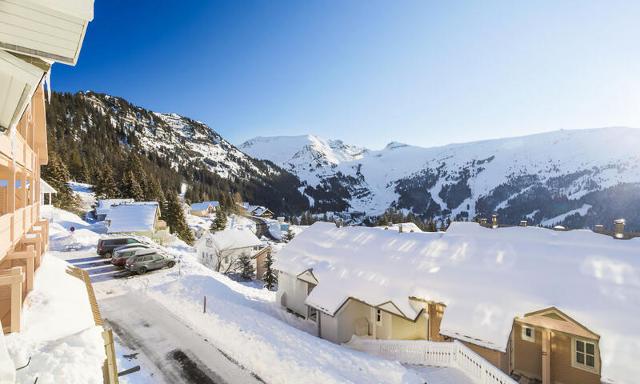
column 369, row 72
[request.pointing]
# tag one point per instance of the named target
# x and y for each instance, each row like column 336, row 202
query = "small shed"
column 46, row 193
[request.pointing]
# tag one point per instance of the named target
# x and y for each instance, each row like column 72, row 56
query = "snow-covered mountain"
column 308, row 156
column 90, row 131
column 574, row 177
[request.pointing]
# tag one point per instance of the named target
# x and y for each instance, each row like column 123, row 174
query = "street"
column 176, row 351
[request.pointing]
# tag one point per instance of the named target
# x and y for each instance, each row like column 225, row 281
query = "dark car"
column 143, row 263
column 122, row 254
column 107, row 246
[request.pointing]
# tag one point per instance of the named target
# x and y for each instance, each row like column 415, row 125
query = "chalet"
column 260, row 211
column 221, row 250
column 140, row 218
column 46, row 193
column 204, row 208
column 540, row 305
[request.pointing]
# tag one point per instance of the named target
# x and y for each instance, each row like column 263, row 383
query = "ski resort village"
column 145, row 248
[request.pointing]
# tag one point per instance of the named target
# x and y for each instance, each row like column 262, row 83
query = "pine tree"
column 174, row 217
column 130, row 188
column 288, row 236
column 220, row 223
column 105, row 187
column 57, row 175
column 246, row 267
column 269, row 277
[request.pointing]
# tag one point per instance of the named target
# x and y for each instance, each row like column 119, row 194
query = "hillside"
column 89, row 131
column 577, row 178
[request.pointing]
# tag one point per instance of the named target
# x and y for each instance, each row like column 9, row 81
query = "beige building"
column 33, row 34
column 479, row 286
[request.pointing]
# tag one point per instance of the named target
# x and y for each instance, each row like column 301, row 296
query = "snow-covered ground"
column 251, row 332
column 59, row 339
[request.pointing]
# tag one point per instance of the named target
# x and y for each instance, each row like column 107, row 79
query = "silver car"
column 140, row 264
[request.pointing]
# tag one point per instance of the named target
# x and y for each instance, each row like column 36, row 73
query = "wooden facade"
column 23, row 235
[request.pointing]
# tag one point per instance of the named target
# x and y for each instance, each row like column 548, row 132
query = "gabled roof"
column 230, row 239
column 103, row 206
column 204, row 205
column 46, row 188
column 133, row 217
column 485, row 277
column 554, row 319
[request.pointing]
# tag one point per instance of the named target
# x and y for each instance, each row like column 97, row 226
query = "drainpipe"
column 546, row 356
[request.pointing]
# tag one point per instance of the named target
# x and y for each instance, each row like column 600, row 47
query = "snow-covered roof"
column 46, row 188
column 232, row 239
column 133, row 217
column 486, row 277
column 406, row 227
column 258, row 210
column 103, row 206
column 204, row 205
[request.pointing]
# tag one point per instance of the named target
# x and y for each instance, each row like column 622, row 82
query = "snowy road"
column 177, row 352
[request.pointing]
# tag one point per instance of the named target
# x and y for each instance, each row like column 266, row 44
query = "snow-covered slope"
column 538, row 177
column 178, row 138
column 308, row 156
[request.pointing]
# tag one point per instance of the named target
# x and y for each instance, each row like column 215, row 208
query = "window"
column 528, row 334
column 378, row 316
column 584, row 354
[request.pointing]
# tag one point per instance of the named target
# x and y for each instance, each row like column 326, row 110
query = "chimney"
column 598, row 228
column 618, row 228
column 494, row 221
column 523, row 223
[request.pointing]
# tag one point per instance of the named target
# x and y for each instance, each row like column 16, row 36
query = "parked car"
column 142, row 263
column 107, row 246
column 132, row 245
column 120, row 255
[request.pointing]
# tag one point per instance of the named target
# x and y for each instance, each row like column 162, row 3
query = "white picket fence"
column 439, row 354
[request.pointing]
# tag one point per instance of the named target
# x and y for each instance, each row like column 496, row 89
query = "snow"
column 558, row 219
column 46, row 188
column 611, row 153
column 85, row 193
column 133, row 217
column 232, row 239
column 486, row 277
column 103, row 206
column 204, row 205
column 406, row 227
column 242, row 320
column 58, row 331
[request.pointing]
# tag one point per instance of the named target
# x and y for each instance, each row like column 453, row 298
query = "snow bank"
column 486, row 277
column 58, row 331
column 275, row 351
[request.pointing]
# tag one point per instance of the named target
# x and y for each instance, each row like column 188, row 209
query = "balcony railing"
column 439, row 354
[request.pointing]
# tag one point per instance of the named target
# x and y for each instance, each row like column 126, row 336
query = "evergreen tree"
column 106, row 187
column 220, row 223
column 288, row 236
column 57, row 175
column 270, row 278
column 130, row 188
column 174, row 216
column 246, row 267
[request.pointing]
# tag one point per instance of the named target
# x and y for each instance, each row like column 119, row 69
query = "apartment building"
column 33, row 35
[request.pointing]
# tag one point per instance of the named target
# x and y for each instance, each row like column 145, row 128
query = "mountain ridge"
column 463, row 180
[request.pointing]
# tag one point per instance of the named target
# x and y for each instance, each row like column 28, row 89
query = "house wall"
column 20, row 160
column 561, row 369
column 527, row 355
column 527, row 358
column 292, row 293
column 342, row 326
column 404, row 329
column 497, row 358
